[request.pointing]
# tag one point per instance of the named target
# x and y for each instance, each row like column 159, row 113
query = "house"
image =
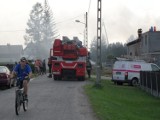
column 9, row 54
column 146, row 47
column 133, row 48
column 30, row 51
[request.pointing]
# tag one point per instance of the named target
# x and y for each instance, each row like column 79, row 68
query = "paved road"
column 49, row 100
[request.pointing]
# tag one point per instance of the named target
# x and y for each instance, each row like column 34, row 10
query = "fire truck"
column 68, row 59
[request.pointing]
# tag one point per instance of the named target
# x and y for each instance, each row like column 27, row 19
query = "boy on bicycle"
column 23, row 72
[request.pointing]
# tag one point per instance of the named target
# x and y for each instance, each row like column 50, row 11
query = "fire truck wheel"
column 59, row 77
column 81, row 78
column 55, row 77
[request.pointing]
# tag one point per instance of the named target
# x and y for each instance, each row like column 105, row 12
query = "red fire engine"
column 68, row 59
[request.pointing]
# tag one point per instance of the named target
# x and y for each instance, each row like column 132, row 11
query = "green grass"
column 112, row 102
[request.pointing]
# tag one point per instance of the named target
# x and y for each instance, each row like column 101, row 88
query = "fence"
column 150, row 82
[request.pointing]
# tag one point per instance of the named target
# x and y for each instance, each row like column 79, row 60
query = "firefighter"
column 49, row 66
column 44, row 66
column 89, row 68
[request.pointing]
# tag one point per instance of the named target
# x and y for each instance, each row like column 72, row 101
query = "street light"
column 86, row 29
column 78, row 21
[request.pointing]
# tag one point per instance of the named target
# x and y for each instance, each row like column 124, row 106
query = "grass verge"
column 112, row 102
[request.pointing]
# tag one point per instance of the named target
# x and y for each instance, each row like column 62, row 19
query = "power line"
column 103, row 25
column 73, row 18
column 89, row 6
column 13, row 31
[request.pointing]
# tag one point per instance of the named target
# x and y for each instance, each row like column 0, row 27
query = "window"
column 155, row 68
column 3, row 69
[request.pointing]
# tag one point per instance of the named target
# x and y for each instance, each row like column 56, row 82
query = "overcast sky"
column 122, row 18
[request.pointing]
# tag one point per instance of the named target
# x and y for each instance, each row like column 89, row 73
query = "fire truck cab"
column 69, row 59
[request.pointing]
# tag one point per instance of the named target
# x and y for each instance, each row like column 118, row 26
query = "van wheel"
column 134, row 82
column 115, row 82
column 119, row 83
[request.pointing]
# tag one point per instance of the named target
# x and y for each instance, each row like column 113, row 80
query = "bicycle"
column 20, row 97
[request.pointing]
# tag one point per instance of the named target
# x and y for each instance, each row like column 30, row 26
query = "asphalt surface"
column 49, row 100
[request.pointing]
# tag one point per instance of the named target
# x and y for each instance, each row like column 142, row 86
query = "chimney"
column 139, row 33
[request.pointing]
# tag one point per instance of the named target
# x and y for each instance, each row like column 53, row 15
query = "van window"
column 119, row 65
column 155, row 68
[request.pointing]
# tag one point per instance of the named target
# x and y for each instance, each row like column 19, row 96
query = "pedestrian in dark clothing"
column 50, row 66
column 44, row 66
column 89, row 68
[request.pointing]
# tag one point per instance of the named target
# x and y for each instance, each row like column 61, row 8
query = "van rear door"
column 119, row 71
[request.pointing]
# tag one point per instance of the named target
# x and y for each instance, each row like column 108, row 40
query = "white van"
column 127, row 71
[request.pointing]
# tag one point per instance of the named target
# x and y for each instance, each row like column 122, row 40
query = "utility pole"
column 86, row 26
column 86, row 29
column 98, row 69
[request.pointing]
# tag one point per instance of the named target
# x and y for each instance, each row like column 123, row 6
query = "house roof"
column 138, row 40
column 8, row 49
column 133, row 42
column 10, row 53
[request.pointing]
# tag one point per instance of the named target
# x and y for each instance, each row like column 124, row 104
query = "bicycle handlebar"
column 25, row 78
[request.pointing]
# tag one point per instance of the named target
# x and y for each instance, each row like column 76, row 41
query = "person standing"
column 50, row 67
column 44, row 66
column 89, row 68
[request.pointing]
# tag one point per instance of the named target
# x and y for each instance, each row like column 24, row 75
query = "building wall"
column 133, row 50
column 144, row 43
column 154, row 41
column 150, row 42
column 148, row 48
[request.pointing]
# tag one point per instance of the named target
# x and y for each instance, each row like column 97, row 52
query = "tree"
column 113, row 50
column 34, row 30
column 49, row 29
column 116, row 49
column 35, row 22
column 94, row 49
column 41, row 30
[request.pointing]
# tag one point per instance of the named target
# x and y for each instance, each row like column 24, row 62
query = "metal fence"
column 150, row 82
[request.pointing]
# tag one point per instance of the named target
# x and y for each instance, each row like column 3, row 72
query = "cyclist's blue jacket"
column 21, row 73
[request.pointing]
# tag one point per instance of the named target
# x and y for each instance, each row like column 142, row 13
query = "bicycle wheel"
column 17, row 103
column 25, row 104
